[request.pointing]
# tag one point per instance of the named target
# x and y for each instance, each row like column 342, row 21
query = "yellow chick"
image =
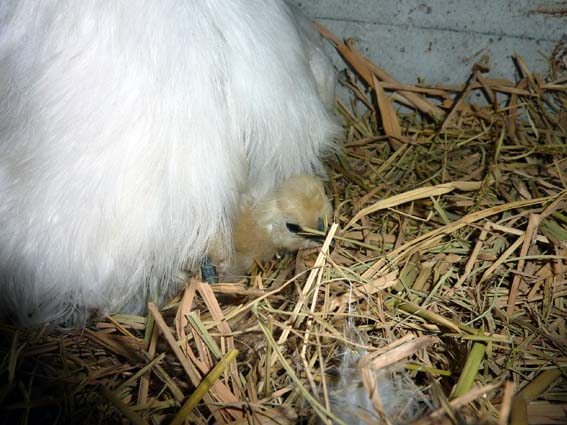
column 277, row 223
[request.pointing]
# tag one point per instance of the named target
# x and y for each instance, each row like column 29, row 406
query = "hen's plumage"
column 128, row 133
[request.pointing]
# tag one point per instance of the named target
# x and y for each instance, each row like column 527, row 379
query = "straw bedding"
column 447, row 279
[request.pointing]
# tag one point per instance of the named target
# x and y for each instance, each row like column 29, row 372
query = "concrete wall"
column 439, row 40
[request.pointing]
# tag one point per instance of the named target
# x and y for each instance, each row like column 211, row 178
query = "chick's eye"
column 293, row 228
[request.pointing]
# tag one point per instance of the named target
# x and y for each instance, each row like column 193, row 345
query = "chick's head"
column 298, row 205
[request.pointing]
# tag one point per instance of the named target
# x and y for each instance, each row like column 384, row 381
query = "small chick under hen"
column 279, row 222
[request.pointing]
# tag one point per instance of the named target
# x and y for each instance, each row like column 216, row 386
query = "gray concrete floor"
column 438, row 41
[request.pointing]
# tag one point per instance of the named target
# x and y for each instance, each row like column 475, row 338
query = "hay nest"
column 443, row 298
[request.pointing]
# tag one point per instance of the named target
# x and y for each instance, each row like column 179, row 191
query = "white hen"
column 128, row 132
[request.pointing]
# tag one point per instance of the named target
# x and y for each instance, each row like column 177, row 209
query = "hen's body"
column 128, row 132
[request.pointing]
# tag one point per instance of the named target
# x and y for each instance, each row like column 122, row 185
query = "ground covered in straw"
column 442, row 299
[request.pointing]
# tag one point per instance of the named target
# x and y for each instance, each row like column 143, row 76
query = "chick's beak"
column 319, row 234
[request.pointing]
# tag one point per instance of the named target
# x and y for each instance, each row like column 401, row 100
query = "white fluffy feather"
column 129, row 130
